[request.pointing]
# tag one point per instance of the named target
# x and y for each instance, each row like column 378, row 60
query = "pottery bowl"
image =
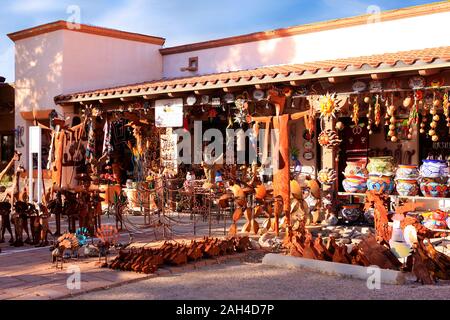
column 407, row 188
column 434, row 189
column 355, row 185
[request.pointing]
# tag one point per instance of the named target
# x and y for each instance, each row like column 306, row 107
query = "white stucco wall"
column 391, row 36
column 65, row 61
column 38, row 68
column 94, row 62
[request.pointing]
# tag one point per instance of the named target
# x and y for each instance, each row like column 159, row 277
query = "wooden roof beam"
column 127, row 99
column 205, row 92
column 336, row 80
column 151, row 96
column 429, row 72
column 263, row 86
column 233, row 89
column 380, row 76
column 298, row 83
column 176, row 95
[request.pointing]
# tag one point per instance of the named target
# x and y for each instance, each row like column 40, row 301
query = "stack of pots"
column 407, row 180
column 433, row 178
column 356, row 176
column 381, row 174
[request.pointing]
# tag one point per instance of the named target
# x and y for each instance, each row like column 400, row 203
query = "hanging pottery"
column 327, row 176
column 258, row 95
column 375, row 86
column 417, row 83
column 228, row 98
column 394, row 84
column 205, row 99
column 191, row 100
column 359, row 86
column 329, row 106
column 329, row 139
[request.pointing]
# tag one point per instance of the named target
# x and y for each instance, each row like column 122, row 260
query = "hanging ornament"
column 446, row 105
column 327, row 176
column 392, row 121
column 424, row 113
column 329, row 106
column 414, row 113
column 329, row 139
column 368, row 101
column 435, row 119
column 377, row 111
column 355, row 117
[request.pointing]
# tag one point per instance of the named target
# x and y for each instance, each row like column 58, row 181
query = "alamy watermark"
column 74, row 279
column 74, row 18
column 374, row 279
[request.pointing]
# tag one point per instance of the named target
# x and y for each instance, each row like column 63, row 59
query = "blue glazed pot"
column 378, row 184
column 433, row 169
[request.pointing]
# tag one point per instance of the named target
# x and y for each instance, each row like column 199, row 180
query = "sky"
column 179, row 21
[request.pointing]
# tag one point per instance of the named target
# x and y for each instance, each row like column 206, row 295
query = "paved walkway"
column 27, row 272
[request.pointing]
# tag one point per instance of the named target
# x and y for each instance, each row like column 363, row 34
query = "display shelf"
column 363, row 195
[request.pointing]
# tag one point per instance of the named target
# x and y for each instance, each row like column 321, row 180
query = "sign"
column 169, row 113
column 169, row 150
column 35, row 139
column 35, row 143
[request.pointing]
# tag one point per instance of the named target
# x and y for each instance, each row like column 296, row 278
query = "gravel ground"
column 250, row 280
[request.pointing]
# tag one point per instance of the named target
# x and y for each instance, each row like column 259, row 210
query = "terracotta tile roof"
column 282, row 73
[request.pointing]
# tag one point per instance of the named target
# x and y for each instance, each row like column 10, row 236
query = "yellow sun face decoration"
column 329, row 106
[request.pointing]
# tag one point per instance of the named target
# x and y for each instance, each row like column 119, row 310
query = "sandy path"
column 252, row 280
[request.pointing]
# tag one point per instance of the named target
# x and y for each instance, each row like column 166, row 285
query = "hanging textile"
column 107, row 147
column 90, row 148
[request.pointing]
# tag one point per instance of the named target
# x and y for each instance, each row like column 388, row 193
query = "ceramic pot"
column 407, row 188
column 369, row 216
column 356, row 168
column 433, row 189
column 433, row 169
column 355, row 185
column 381, row 166
column 383, row 183
column 407, row 172
column 351, row 213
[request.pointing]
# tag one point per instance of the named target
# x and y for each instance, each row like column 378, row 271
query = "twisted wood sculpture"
column 380, row 202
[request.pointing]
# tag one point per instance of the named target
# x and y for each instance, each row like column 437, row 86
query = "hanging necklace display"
column 377, row 111
column 414, row 113
column 392, row 126
column 355, row 116
column 435, row 119
column 368, row 100
column 446, row 105
column 424, row 114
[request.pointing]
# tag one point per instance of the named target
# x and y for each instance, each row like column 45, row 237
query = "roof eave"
column 367, row 70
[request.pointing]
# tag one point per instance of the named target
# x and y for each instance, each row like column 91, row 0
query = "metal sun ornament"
column 329, row 106
column 327, row 176
column 329, row 139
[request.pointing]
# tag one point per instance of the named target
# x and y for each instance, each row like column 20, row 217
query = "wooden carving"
column 379, row 202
